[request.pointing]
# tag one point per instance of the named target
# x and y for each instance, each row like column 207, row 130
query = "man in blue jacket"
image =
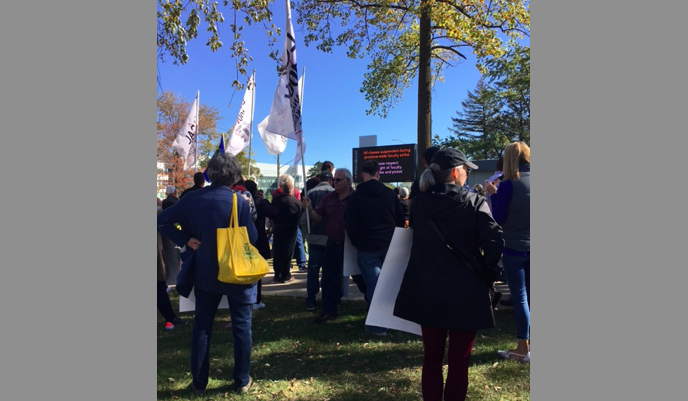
column 199, row 214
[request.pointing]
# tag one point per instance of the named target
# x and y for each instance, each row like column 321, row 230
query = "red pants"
column 460, row 345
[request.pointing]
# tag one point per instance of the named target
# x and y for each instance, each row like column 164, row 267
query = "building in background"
column 268, row 182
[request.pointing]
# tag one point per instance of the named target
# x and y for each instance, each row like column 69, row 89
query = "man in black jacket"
column 199, row 182
column 370, row 217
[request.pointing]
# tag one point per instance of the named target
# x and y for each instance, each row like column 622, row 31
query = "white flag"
column 275, row 143
column 242, row 128
column 185, row 143
column 285, row 113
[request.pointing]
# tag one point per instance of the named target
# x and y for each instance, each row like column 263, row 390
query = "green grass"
column 295, row 359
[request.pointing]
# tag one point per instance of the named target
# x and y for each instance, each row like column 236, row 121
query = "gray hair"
column 345, row 171
column 223, row 169
column 285, row 179
column 434, row 175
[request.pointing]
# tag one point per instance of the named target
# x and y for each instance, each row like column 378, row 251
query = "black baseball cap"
column 448, row 158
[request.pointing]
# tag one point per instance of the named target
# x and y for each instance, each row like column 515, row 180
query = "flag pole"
column 250, row 137
column 198, row 109
column 303, row 162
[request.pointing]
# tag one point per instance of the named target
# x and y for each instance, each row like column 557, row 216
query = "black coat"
column 371, row 215
column 438, row 289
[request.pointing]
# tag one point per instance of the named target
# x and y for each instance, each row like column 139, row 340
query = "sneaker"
column 228, row 326
column 310, row 308
column 169, row 326
column 179, row 322
column 196, row 392
column 258, row 306
column 289, row 280
column 302, row 269
column 325, row 316
column 244, row 390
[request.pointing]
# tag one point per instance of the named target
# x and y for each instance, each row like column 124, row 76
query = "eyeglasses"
column 338, row 179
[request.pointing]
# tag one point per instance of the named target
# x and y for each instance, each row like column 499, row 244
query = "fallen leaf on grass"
column 487, row 387
column 365, row 345
column 494, row 365
column 497, row 388
column 267, row 365
column 169, row 379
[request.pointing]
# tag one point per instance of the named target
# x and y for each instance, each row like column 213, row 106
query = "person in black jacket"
column 286, row 225
column 199, row 182
column 446, row 286
column 370, row 217
column 263, row 209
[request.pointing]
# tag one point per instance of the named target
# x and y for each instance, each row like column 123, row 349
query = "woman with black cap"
column 446, row 287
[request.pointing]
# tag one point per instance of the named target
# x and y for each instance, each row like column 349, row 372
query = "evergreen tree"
column 509, row 79
column 477, row 130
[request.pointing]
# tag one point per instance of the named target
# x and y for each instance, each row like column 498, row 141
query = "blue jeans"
column 370, row 264
column 315, row 253
column 206, row 307
column 332, row 269
column 517, row 271
column 299, row 251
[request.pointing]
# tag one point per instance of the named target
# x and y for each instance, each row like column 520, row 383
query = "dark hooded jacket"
column 440, row 289
column 371, row 215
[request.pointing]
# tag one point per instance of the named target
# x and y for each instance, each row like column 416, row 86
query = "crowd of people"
column 460, row 234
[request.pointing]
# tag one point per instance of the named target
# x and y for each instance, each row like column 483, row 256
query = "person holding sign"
column 453, row 263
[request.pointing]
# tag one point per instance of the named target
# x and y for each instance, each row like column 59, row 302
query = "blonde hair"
column 515, row 154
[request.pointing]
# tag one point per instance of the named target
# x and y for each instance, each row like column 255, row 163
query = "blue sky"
column 333, row 108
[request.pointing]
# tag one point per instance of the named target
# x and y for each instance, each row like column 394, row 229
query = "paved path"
column 297, row 288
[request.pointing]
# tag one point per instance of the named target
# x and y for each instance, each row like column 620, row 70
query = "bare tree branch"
column 450, row 48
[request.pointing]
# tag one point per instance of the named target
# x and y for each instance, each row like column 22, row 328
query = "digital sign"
column 397, row 162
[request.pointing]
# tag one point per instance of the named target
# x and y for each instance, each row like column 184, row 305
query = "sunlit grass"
column 295, row 359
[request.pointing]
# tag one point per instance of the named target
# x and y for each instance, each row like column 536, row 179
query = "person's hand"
column 193, row 243
column 490, row 187
column 306, row 203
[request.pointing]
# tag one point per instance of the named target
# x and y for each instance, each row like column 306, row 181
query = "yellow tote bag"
column 240, row 262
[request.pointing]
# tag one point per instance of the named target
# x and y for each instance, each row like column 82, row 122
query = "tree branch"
column 450, row 48
column 359, row 5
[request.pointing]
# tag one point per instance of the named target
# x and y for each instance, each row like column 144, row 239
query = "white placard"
column 350, row 258
column 189, row 304
column 387, row 288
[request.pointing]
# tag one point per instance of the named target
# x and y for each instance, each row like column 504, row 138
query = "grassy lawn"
column 296, row 359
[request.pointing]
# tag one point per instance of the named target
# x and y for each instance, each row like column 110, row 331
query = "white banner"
column 275, row 143
column 285, row 113
column 381, row 312
column 242, row 128
column 185, row 143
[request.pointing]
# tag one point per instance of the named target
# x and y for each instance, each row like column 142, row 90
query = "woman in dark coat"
column 200, row 214
column 447, row 291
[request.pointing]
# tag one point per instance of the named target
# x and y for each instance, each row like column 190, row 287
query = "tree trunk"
column 424, row 85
